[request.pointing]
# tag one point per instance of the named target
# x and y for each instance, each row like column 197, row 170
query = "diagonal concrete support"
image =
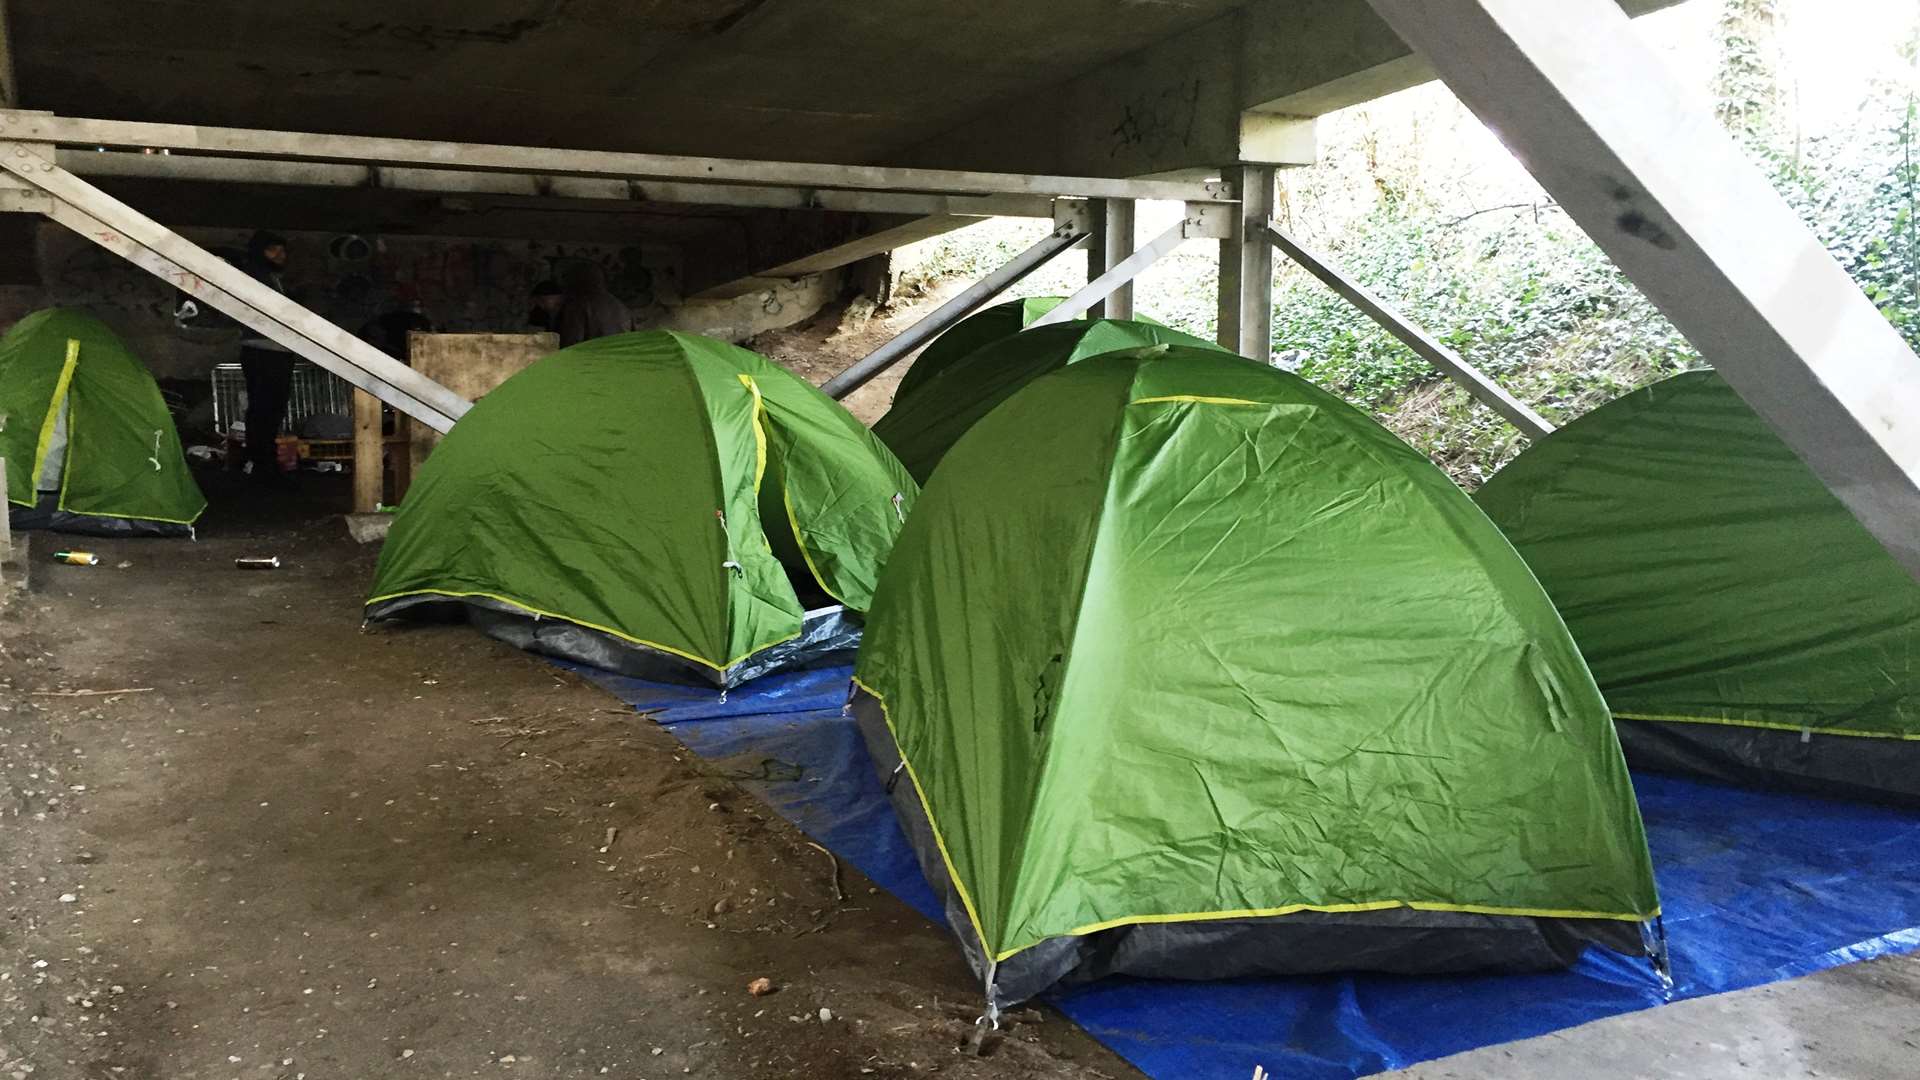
column 1605, row 127
column 126, row 232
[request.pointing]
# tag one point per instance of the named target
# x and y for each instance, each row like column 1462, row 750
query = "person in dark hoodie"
column 591, row 310
column 545, row 313
column 267, row 364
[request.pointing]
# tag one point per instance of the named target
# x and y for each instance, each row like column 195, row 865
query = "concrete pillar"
column 1246, row 267
column 1114, row 232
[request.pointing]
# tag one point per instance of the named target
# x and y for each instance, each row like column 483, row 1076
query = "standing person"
column 547, row 299
column 590, row 310
column 267, row 364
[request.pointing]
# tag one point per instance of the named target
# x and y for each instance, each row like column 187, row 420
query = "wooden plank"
column 369, row 467
column 470, row 365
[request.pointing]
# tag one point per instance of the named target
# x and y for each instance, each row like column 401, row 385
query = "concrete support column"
column 1112, row 241
column 1246, row 267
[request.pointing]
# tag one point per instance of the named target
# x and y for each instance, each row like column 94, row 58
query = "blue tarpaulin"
column 1756, row 887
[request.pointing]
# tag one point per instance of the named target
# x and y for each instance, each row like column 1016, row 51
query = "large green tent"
column 90, row 446
column 980, row 328
column 655, row 503
column 1741, row 623
column 921, row 429
column 1185, row 668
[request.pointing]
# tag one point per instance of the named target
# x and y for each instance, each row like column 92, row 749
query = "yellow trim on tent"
column 1770, row 725
column 1208, row 916
column 47, row 426
column 759, row 433
column 920, row 791
column 523, row 605
column 1197, row 400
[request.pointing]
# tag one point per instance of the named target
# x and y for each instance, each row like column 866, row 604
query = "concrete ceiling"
column 818, row 80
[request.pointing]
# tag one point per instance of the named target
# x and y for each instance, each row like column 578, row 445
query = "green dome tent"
column 921, row 429
column 980, row 328
column 1184, row 668
column 1741, row 623
column 655, row 503
column 90, row 446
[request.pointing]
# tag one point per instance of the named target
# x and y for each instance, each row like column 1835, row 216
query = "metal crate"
column 315, row 391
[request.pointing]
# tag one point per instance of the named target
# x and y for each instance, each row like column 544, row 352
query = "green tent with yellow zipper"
column 1185, row 668
column 1743, row 625
column 655, row 503
column 920, row 428
column 89, row 444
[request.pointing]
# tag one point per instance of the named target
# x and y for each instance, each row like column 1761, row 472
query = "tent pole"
column 1602, row 122
column 153, row 247
column 1472, row 379
column 1070, row 230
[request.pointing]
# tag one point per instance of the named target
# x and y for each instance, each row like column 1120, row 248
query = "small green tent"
column 922, row 428
column 1741, row 623
column 90, row 446
column 655, row 503
column 983, row 326
column 1188, row 669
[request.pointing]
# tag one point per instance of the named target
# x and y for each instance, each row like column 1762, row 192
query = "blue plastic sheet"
column 1756, row 888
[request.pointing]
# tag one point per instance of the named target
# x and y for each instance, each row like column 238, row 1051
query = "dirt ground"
column 285, row 848
column 840, row 333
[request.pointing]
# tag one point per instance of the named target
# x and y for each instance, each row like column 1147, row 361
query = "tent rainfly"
column 1185, row 668
column 980, row 328
column 921, row 429
column 658, row 504
column 90, row 446
column 1741, row 623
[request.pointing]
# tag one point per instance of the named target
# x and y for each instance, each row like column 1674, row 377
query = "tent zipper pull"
column 893, row 778
column 730, row 563
column 899, row 499
column 155, row 459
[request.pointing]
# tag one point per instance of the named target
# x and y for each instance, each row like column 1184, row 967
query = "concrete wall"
column 465, row 284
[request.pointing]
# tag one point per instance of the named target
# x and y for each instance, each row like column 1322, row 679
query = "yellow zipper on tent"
column 1196, row 400
column 786, row 500
column 52, row 421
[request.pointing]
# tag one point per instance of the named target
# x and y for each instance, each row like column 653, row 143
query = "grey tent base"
column 1840, row 766
column 46, row 514
column 827, row 636
column 1398, row 941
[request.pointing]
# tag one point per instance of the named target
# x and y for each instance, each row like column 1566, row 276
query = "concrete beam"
column 879, row 240
column 230, row 170
column 1239, row 89
column 1648, row 172
column 490, row 157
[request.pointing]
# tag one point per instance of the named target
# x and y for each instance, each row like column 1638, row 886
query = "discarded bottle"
column 258, row 562
column 77, row 558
